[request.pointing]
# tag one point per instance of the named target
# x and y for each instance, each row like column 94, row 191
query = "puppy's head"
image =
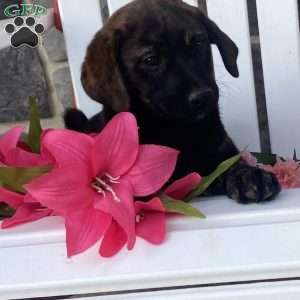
column 157, row 53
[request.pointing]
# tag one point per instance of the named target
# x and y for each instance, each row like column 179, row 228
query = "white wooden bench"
column 238, row 252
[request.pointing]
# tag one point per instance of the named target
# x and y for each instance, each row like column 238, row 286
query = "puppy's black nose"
column 200, row 98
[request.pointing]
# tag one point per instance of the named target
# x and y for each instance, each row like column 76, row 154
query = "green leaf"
column 180, row 207
column 35, row 128
column 265, row 158
column 208, row 180
column 14, row 178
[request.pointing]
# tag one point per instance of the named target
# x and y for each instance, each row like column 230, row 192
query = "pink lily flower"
column 25, row 212
column 151, row 221
column 182, row 187
column 13, row 153
column 97, row 178
column 150, row 218
column 287, row 172
column 150, row 225
column 249, row 158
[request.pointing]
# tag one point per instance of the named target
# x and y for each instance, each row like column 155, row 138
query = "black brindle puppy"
column 153, row 58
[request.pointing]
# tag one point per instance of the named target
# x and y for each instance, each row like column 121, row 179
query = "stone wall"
column 42, row 72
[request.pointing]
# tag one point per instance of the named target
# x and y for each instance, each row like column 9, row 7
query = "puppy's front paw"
column 251, row 185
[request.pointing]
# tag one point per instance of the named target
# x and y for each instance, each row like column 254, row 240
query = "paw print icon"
column 24, row 32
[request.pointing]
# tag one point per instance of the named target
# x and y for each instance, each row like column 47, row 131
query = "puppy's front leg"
column 242, row 182
column 250, row 184
column 76, row 120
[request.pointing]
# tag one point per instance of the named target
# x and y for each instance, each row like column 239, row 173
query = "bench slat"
column 80, row 23
column 113, row 5
column 229, row 246
column 189, row 257
column 238, row 100
column 280, row 46
column 260, row 291
column 191, row 2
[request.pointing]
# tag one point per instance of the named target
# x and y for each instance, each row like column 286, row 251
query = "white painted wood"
column 262, row 291
column 280, row 45
column 80, row 23
column 251, row 243
column 220, row 211
column 113, row 5
column 192, row 2
column 238, row 101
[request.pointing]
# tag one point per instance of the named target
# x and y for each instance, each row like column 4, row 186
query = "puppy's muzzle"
column 201, row 100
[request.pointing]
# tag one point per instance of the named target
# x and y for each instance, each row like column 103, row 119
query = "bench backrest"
column 278, row 23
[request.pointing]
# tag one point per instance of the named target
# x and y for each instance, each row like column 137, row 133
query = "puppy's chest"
column 182, row 139
column 201, row 148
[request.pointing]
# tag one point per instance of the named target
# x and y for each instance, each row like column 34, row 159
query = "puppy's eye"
column 152, row 60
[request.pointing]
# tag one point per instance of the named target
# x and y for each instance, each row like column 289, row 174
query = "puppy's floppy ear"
column 228, row 49
column 101, row 77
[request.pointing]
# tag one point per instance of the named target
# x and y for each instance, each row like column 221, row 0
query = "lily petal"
column 20, row 158
column 116, row 147
column 13, row 199
column 121, row 209
column 10, row 140
column 29, row 199
column 154, row 166
column 26, row 213
column 181, row 188
column 152, row 205
column 84, row 228
column 63, row 189
column 22, row 145
column 114, row 240
column 152, row 228
column 68, row 147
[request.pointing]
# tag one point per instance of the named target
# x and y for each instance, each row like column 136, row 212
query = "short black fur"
column 163, row 56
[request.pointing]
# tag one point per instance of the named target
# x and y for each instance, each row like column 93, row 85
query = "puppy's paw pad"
column 24, row 32
column 252, row 185
column 9, row 28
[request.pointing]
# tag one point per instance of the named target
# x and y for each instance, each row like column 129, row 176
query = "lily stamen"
column 112, row 179
column 101, row 186
column 98, row 189
column 139, row 218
